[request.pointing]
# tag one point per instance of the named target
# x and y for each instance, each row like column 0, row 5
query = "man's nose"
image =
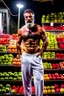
column 29, row 18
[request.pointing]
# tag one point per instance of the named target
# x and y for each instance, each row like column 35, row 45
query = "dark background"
column 39, row 8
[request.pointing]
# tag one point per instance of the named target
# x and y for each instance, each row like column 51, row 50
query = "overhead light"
column 20, row 5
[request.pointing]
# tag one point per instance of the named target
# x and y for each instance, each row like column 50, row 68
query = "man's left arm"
column 45, row 40
column 43, row 37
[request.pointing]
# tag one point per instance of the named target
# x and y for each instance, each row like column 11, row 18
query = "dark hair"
column 28, row 10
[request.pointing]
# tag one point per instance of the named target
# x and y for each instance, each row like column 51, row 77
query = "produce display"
column 47, row 27
column 10, row 75
column 55, row 76
column 54, row 89
column 51, row 65
column 4, row 89
column 20, row 89
column 4, row 41
column 14, row 36
column 60, row 55
column 60, row 37
column 61, row 65
column 12, row 48
column 6, row 59
column 3, row 48
column 54, row 54
column 48, row 55
column 53, row 17
column 52, row 42
column 16, row 62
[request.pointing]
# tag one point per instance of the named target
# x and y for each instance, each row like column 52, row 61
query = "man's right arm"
column 18, row 44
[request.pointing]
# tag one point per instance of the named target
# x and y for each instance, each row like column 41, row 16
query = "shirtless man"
column 29, row 35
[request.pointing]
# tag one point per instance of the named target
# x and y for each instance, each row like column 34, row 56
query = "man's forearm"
column 18, row 48
column 45, row 43
column 44, row 46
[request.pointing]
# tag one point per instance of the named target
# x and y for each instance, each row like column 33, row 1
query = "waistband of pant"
column 29, row 53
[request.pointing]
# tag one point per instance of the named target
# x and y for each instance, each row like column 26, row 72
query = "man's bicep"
column 43, row 36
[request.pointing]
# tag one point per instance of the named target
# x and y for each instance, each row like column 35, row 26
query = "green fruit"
column 10, row 55
column 7, row 75
column 20, row 75
column 9, row 72
column 4, row 50
column 10, row 78
column 7, row 89
column 9, row 63
column 1, row 85
column 0, row 73
column 1, row 78
column 3, row 74
column 3, row 91
column 14, row 78
column 6, row 61
column 15, row 72
column 15, row 75
column 19, row 78
column 8, row 85
column 2, row 57
column 4, row 47
column 6, row 78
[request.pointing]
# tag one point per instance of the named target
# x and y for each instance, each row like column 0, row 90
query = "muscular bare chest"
column 30, row 35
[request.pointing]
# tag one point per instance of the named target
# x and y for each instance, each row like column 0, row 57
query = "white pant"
column 31, row 64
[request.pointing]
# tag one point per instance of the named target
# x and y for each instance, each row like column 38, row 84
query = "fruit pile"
column 4, row 41
column 48, row 55
column 59, row 55
column 60, row 37
column 59, row 28
column 4, row 89
column 54, row 89
column 55, row 76
column 60, row 40
column 52, row 42
column 20, row 89
column 12, row 48
column 10, row 76
column 51, row 66
column 61, row 65
column 12, row 42
column 6, row 59
column 16, row 62
column 48, row 27
column 17, row 89
column 52, row 28
column 53, row 17
column 8, row 36
column 3, row 48
column 14, row 36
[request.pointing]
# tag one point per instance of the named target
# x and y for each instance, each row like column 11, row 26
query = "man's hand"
column 18, row 56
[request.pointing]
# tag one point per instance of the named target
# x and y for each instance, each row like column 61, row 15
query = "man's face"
column 29, row 19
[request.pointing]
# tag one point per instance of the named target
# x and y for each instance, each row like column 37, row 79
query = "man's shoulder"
column 21, row 29
column 40, row 27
